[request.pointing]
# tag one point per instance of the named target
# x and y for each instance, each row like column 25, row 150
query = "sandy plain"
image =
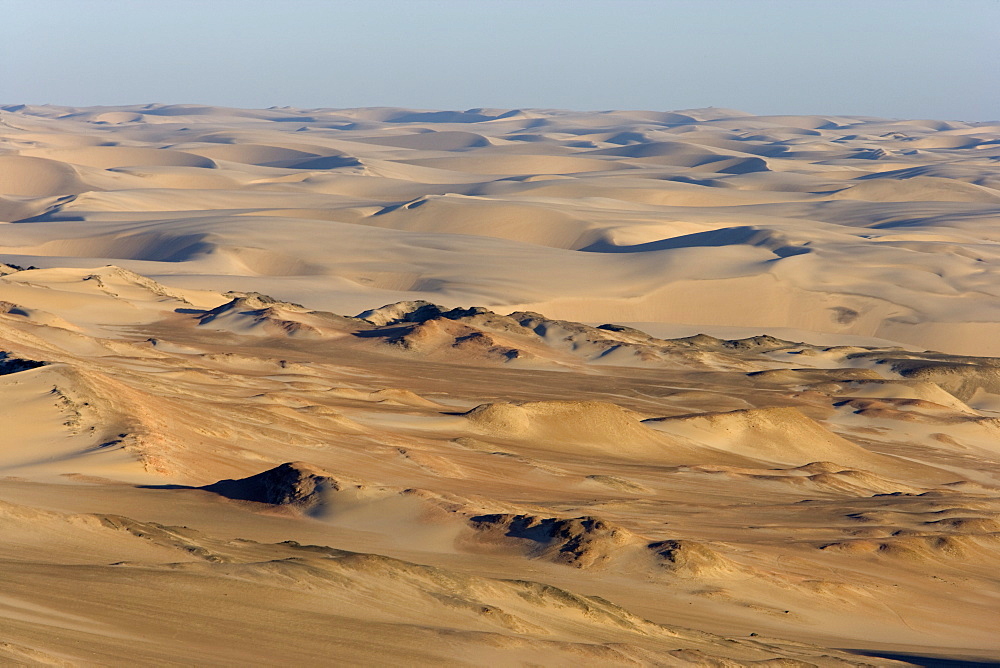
column 504, row 387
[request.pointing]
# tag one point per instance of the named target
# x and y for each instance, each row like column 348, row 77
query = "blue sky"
column 894, row 58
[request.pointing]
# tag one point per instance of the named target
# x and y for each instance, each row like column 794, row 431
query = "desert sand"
column 497, row 387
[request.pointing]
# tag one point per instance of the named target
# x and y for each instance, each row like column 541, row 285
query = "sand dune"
column 259, row 314
column 645, row 388
column 433, row 141
column 594, row 427
column 38, row 177
column 295, row 484
column 108, row 157
column 780, row 435
column 468, row 192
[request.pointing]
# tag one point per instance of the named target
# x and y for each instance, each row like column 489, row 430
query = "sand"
column 497, row 387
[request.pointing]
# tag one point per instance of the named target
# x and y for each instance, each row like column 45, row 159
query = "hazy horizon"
column 889, row 59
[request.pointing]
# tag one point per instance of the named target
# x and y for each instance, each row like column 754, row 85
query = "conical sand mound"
column 291, row 484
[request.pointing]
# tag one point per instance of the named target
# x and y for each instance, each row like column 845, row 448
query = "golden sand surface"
column 497, row 387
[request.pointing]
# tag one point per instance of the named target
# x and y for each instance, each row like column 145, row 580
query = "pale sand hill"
column 207, row 459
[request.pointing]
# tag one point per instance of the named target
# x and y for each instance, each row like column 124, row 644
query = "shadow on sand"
column 928, row 661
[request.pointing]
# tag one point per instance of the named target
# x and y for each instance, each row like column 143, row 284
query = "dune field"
column 497, row 387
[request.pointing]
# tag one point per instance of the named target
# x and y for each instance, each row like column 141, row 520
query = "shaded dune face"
column 623, row 388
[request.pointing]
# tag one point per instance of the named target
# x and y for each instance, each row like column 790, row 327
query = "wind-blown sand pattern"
column 332, row 386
